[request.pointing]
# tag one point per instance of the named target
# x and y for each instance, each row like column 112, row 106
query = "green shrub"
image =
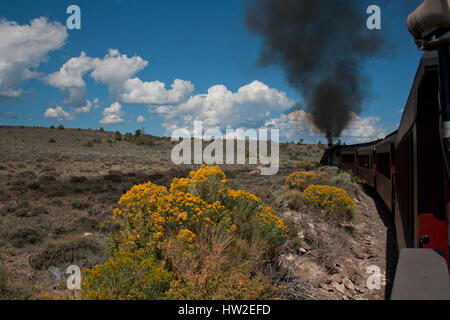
column 25, row 236
column 308, row 165
column 51, row 140
column 85, row 251
column 127, row 275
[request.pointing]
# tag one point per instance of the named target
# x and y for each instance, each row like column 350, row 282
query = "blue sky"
column 202, row 42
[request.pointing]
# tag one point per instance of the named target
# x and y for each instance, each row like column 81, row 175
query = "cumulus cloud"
column 96, row 103
column 220, row 108
column 113, row 114
column 115, row 68
column 135, row 91
column 58, row 113
column 140, row 119
column 298, row 125
column 84, row 109
column 69, row 80
column 294, row 126
column 364, row 129
column 22, row 49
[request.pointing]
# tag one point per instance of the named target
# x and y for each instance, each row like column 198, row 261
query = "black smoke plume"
column 321, row 45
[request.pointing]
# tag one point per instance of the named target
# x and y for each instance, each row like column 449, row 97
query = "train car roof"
column 365, row 146
column 389, row 139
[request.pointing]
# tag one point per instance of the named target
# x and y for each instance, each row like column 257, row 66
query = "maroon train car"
column 385, row 170
column 349, row 160
column 421, row 186
column 367, row 165
column 408, row 170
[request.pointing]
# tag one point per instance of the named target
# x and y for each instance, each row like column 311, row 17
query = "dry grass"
column 63, row 189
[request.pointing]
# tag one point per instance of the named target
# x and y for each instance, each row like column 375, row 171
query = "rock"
column 339, row 287
column 348, row 284
column 326, row 287
column 254, row 173
column 358, row 289
column 303, row 250
column 349, row 295
column 332, row 171
column 336, row 278
column 301, row 235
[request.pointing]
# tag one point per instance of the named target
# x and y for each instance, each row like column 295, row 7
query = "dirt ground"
column 58, row 189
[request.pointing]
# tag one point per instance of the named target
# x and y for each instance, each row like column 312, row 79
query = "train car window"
column 384, row 164
column 348, row 158
column 364, row 162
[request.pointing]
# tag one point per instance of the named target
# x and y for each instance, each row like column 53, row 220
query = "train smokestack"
column 321, row 46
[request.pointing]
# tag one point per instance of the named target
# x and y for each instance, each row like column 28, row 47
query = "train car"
column 421, row 186
column 332, row 156
column 367, row 165
column 349, row 159
column 411, row 166
column 385, row 169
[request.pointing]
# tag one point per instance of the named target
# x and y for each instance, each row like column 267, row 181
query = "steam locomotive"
column 410, row 168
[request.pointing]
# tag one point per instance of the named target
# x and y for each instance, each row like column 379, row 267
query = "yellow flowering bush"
column 189, row 216
column 302, row 180
column 332, row 199
column 252, row 218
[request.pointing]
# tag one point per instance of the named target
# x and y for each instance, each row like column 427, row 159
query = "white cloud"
column 294, row 126
column 220, row 108
column 136, row 91
column 298, row 125
column 114, row 69
column 84, row 109
column 96, row 103
column 364, row 129
column 113, row 114
column 69, row 79
column 140, row 119
column 58, row 113
column 23, row 48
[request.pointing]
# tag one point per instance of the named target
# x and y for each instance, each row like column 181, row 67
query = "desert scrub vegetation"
column 3, row 279
column 197, row 240
column 302, row 180
column 308, row 165
column 331, row 199
column 80, row 250
column 324, row 192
